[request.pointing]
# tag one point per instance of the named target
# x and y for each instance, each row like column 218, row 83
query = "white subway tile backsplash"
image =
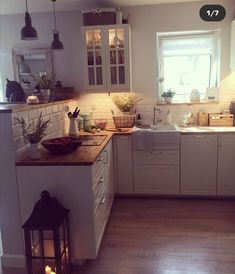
column 49, row 110
column 61, row 107
column 58, row 123
column 16, row 129
column 55, row 108
column 22, row 114
column 55, row 118
column 33, row 114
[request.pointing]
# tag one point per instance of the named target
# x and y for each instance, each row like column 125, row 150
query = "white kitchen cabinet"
column 106, row 57
column 123, row 164
column 226, row 156
column 87, row 191
column 198, row 164
column 156, row 171
column 232, row 47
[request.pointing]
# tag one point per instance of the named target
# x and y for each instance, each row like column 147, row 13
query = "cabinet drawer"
column 98, row 165
column 98, row 191
column 164, row 157
column 161, row 179
column 100, row 217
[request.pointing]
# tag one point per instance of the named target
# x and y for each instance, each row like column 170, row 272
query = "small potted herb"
column 33, row 134
column 168, row 95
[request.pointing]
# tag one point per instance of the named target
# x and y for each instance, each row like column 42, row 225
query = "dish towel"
column 142, row 140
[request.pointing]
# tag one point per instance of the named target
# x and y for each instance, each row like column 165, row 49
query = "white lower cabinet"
column 226, row 170
column 198, row 164
column 87, row 191
column 123, row 164
column 156, row 171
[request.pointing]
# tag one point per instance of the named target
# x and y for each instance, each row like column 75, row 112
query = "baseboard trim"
column 8, row 260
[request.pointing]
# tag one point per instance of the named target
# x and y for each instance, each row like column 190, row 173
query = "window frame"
column 215, row 63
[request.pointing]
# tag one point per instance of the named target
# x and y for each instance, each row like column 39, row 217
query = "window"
column 1, row 90
column 188, row 63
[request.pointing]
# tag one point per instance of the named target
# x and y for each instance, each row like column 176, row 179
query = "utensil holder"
column 73, row 127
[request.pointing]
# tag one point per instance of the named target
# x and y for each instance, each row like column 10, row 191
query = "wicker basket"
column 124, row 120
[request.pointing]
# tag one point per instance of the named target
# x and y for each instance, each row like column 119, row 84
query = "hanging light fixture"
column 56, row 43
column 28, row 32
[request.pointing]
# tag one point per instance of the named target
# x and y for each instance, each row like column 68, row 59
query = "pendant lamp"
column 28, row 32
column 56, row 43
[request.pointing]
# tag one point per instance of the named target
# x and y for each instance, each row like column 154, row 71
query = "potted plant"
column 43, row 85
column 168, row 95
column 33, row 134
column 125, row 102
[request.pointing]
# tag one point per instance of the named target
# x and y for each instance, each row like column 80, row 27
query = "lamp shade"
column 56, row 43
column 28, row 32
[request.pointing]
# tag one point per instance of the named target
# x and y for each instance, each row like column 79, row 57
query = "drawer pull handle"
column 156, row 152
column 102, row 201
column 198, row 136
column 100, row 158
column 101, row 180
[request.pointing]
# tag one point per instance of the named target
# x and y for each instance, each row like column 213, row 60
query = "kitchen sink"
column 167, row 127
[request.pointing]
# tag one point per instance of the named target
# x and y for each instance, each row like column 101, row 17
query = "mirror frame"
column 16, row 52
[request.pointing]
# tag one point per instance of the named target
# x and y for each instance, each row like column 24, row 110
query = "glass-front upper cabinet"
column 106, row 57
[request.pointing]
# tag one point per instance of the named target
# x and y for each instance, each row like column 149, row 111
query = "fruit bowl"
column 101, row 123
column 62, row 145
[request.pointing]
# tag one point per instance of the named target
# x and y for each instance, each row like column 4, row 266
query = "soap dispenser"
column 168, row 117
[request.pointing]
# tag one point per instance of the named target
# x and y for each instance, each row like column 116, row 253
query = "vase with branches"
column 33, row 134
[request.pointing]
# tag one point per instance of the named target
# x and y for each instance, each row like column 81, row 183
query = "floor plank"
column 169, row 236
column 166, row 236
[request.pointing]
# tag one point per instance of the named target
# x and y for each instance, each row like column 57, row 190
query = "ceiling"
column 18, row 6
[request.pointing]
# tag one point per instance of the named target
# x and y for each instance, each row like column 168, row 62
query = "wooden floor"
column 168, row 236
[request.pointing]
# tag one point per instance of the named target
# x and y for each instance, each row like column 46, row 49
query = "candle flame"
column 48, row 269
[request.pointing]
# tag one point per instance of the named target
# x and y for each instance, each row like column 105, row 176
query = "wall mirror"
column 29, row 64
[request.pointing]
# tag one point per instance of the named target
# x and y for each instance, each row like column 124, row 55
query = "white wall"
column 145, row 21
column 67, row 63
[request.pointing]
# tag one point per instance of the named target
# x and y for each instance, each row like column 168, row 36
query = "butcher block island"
column 82, row 181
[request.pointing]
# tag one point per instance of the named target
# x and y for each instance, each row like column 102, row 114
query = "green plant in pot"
column 33, row 134
column 168, row 95
column 43, row 85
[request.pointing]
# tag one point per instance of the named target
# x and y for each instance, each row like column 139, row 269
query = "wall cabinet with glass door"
column 106, row 57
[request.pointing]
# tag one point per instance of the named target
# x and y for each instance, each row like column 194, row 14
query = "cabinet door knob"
column 102, row 201
column 100, row 158
column 156, row 152
column 101, row 180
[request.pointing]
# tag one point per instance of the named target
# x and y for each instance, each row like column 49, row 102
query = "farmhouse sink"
column 168, row 127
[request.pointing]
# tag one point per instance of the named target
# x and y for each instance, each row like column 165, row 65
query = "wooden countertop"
column 9, row 108
column 83, row 156
column 87, row 155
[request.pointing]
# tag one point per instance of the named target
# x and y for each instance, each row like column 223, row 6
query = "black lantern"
column 46, row 232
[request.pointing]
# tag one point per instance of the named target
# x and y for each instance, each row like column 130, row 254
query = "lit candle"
column 32, row 99
column 48, row 270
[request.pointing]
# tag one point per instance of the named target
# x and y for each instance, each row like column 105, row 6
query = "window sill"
column 186, row 103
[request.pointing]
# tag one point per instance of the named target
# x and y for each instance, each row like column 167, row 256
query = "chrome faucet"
column 154, row 115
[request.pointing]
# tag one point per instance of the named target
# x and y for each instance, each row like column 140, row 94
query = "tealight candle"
column 48, row 269
column 32, row 99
